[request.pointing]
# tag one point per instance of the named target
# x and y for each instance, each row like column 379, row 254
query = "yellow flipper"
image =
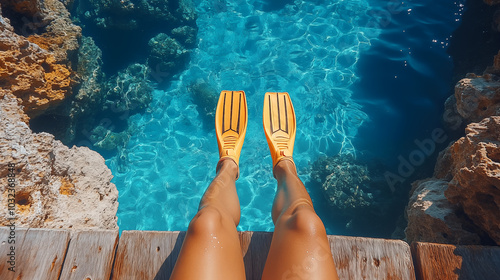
column 279, row 125
column 231, row 120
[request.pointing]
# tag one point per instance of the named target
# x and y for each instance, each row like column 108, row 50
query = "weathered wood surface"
column 356, row 258
column 90, row 255
column 39, row 253
column 42, row 253
column 371, row 258
column 255, row 246
column 146, row 254
column 441, row 261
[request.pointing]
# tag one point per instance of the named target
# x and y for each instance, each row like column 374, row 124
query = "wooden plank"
column 371, row 258
column 441, row 261
column 90, row 255
column 245, row 238
column 152, row 255
column 147, row 254
column 255, row 246
column 39, row 253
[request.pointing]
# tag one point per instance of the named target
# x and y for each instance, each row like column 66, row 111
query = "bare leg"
column 300, row 248
column 211, row 249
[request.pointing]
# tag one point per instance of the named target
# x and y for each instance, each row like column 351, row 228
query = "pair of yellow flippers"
column 231, row 121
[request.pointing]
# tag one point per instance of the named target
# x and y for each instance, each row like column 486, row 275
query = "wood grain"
column 441, row 261
column 90, row 255
column 371, row 258
column 39, row 253
column 48, row 253
column 146, row 254
column 255, row 246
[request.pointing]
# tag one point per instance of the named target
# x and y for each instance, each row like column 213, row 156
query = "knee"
column 306, row 222
column 208, row 219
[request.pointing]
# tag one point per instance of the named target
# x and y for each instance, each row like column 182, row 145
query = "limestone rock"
column 48, row 24
column 432, row 218
column 37, row 68
column 476, row 175
column 55, row 186
column 478, row 97
column 444, row 165
column 460, row 204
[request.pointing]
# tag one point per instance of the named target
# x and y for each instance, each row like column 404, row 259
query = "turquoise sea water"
column 366, row 77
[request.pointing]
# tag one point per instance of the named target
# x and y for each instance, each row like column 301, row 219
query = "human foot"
column 279, row 125
column 231, row 120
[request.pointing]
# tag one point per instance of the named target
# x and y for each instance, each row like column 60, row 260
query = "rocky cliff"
column 54, row 186
column 52, row 79
column 460, row 204
column 36, row 53
column 43, row 183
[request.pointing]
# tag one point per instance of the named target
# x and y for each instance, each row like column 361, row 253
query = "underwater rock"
column 106, row 139
column 475, row 185
column 89, row 95
column 106, row 107
column 129, row 91
column 357, row 194
column 55, row 186
column 433, row 218
column 166, row 55
column 124, row 27
column 345, row 183
column 205, row 97
column 130, row 15
column 186, row 35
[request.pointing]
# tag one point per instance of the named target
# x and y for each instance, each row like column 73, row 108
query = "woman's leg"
column 299, row 248
column 211, row 249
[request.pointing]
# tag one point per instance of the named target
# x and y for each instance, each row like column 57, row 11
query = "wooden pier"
column 92, row 255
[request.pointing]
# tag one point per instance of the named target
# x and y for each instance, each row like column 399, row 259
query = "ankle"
column 284, row 167
column 228, row 166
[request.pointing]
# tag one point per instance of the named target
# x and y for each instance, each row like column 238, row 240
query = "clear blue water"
column 365, row 77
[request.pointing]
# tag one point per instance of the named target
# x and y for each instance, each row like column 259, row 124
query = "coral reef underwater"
column 123, row 28
column 355, row 191
column 70, row 82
